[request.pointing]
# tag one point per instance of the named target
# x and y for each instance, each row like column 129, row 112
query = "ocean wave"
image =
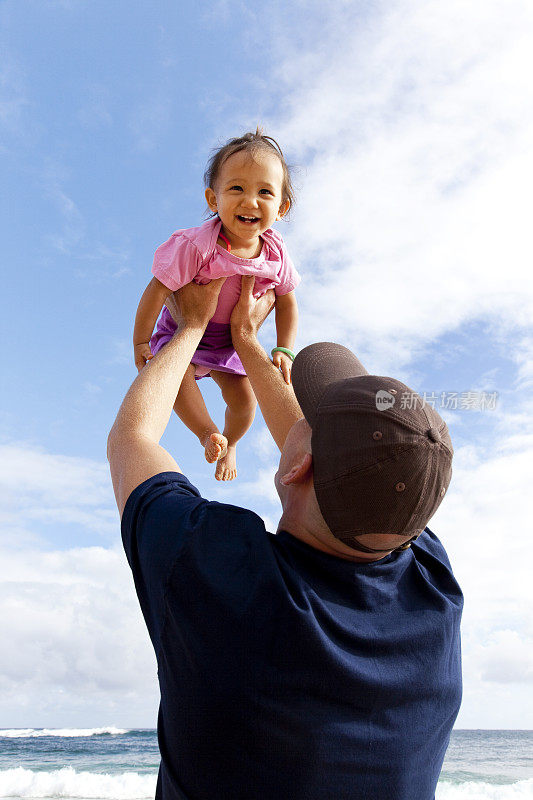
column 477, row 790
column 32, row 733
column 67, row 782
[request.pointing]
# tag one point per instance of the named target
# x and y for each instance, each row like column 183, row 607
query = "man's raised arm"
column 276, row 398
column 133, row 447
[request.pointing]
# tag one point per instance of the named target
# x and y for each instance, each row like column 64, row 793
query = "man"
column 322, row 663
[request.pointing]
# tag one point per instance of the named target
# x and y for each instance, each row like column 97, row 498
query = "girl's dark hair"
column 252, row 143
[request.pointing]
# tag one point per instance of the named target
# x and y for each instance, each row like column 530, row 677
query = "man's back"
column 287, row 672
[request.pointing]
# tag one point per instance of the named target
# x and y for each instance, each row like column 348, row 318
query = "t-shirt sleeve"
column 177, row 261
column 159, row 518
column 433, row 562
column 287, row 274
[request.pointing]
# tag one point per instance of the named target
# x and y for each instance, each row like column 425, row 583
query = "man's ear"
column 284, row 207
column 211, row 198
column 300, row 472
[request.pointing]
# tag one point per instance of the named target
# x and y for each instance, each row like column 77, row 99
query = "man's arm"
column 133, row 447
column 276, row 398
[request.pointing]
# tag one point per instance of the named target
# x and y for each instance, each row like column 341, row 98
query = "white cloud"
column 258, row 491
column 507, row 658
column 77, row 644
column 261, row 486
column 483, row 525
column 40, row 487
column 415, row 132
column 522, row 354
column 263, row 445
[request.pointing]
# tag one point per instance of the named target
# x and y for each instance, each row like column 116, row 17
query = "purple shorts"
column 215, row 350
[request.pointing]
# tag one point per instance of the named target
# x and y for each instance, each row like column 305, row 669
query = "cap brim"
column 316, row 367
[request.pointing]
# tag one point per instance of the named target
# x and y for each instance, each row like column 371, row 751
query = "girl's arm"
column 286, row 327
column 148, row 311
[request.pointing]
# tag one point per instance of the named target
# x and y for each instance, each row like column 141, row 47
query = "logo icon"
column 384, row 400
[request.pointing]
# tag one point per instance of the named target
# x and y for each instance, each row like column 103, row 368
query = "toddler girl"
column 248, row 188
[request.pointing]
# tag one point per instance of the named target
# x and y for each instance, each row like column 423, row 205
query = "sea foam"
column 32, row 733
column 67, row 782
column 477, row 790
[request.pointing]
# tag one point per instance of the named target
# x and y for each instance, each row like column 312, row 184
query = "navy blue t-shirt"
column 287, row 673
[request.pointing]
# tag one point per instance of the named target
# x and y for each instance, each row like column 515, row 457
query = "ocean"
column 117, row 764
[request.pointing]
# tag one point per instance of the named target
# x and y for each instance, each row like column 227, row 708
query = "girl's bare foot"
column 216, row 446
column 227, row 465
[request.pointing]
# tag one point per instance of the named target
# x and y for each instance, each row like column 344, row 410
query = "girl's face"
column 248, row 196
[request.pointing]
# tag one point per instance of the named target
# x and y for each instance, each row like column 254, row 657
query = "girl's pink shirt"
column 194, row 255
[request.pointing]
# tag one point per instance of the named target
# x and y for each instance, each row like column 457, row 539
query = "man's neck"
column 321, row 542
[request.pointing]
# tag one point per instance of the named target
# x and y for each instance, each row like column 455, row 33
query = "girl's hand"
column 283, row 363
column 142, row 354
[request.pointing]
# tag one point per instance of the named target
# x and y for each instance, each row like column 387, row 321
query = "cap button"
column 434, row 435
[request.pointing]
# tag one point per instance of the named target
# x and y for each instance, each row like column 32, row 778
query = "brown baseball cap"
column 382, row 457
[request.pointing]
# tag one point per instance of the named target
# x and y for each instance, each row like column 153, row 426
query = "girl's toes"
column 226, row 469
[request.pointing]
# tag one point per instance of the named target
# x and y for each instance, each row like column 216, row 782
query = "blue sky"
column 411, row 137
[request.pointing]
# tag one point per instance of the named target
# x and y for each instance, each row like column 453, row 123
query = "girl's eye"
column 267, row 191
column 236, row 187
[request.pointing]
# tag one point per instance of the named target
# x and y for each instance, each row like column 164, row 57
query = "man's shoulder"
column 162, row 487
column 168, row 511
column 434, row 563
column 181, row 545
column 428, row 542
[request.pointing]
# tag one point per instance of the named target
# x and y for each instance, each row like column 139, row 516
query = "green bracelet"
column 283, row 350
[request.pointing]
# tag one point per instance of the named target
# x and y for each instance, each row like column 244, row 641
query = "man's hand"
column 194, row 304
column 250, row 312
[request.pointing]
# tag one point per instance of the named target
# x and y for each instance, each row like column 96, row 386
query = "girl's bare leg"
column 240, row 411
column 191, row 409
